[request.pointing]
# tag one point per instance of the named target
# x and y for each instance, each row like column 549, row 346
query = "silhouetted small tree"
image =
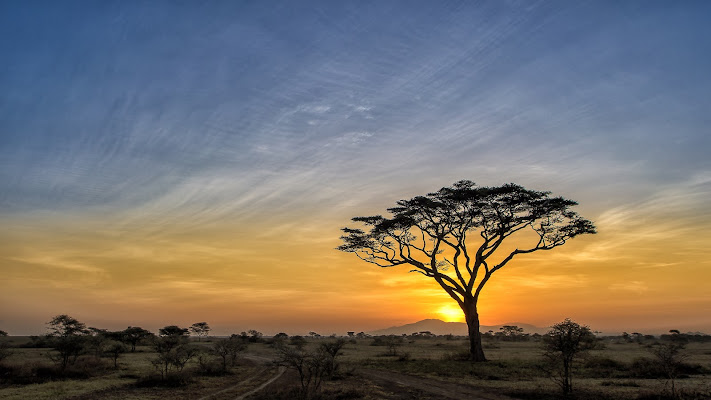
column 563, row 344
column 5, row 351
column 511, row 330
column 173, row 349
column 670, row 358
column 64, row 325
column 200, row 329
column 332, row 350
column 114, row 349
column 173, row 331
column 311, row 366
column 512, row 333
column 255, row 336
column 134, row 335
column 453, row 234
column 68, row 338
column 228, row 350
column 279, row 339
column 96, row 340
column 391, row 342
column 3, row 333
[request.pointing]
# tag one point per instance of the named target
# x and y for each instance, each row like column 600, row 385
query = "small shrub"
column 297, row 341
column 602, row 367
column 210, row 366
column 5, row 351
column 646, row 368
column 462, row 355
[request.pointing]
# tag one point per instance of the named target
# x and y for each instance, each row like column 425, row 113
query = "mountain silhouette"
column 439, row 327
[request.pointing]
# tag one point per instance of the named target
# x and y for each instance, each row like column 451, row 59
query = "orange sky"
column 262, row 274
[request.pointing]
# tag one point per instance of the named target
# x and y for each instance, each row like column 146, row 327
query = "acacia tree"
column 228, row 350
column 133, row 335
column 670, row 359
column 200, row 329
column 172, row 348
column 455, row 235
column 68, row 339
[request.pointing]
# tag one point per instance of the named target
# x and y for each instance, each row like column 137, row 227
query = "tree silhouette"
column 172, row 331
column 670, row 359
column 563, row 344
column 114, row 349
column 63, row 325
column 228, row 349
column 436, row 235
column 133, row 335
column 200, row 329
column 68, row 339
column 172, row 348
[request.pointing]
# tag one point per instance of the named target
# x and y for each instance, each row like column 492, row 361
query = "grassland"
column 515, row 370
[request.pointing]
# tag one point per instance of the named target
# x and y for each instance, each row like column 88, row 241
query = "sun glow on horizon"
column 450, row 313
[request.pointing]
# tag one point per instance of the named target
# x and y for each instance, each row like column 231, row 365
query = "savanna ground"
column 423, row 368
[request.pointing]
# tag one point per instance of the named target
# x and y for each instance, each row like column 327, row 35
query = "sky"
column 174, row 162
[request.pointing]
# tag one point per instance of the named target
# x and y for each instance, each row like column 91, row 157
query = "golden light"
column 450, row 313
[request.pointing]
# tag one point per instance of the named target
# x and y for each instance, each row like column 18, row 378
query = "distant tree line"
column 71, row 339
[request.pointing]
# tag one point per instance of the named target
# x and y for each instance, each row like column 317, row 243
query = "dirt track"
column 243, row 389
column 424, row 388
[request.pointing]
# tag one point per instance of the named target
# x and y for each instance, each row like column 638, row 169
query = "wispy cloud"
column 54, row 262
column 542, row 281
column 638, row 287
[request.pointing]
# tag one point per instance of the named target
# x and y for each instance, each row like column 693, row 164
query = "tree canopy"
column 63, row 326
column 200, row 329
column 173, row 330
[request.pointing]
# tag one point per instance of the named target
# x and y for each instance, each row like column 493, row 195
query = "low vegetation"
column 172, row 364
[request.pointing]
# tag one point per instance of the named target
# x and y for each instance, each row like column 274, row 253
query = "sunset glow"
column 169, row 163
column 450, row 313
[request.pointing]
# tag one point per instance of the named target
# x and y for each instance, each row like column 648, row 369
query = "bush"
column 462, row 355
column 210, row 366
column 392, row 342
column 33, row 373
column 646, row 368
column 38, row 342
column 603, row 367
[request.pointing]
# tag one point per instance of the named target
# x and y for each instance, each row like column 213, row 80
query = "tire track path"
column 239, row 385
column 403, row 384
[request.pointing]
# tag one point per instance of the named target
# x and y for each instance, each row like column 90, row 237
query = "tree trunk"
column 476, row 352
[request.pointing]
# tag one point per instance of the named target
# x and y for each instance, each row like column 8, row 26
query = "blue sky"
column 177, row 115
column 105, row 104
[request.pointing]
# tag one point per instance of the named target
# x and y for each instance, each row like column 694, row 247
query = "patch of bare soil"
column 404, row 386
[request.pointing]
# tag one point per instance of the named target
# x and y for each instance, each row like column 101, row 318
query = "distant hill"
column 456, row 328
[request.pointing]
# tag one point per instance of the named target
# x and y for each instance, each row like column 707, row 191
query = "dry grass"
column 514, row 369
